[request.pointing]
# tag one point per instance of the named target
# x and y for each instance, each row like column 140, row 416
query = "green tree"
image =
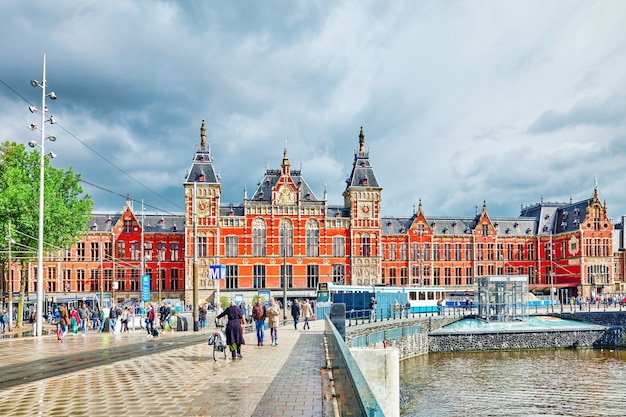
column 66, row 209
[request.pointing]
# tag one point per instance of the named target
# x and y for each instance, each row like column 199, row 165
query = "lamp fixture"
column 52, row 95
column 32, row 126
column 32, row 143
column 32, row 109
column 52, row 154
column 34, row 83
column 51, row 120
column 51, row 138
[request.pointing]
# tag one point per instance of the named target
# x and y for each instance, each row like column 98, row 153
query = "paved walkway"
column 104, row 374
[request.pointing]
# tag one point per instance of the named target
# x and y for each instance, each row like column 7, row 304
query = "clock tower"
column 362, row 199
column 202, row 234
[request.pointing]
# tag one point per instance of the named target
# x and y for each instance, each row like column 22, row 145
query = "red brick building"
column 283, row 230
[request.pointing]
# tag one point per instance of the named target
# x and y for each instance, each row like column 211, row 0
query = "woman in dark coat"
column 234, row 334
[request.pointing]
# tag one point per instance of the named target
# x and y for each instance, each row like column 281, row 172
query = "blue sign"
column 218, row 271
column 145, row 288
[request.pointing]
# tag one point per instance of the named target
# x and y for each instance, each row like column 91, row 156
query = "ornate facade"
column 284, row 232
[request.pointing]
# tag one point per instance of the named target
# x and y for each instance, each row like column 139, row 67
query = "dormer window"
column 545, row 228
column 516, row 224
column 308, row 196
column 445, row 230
column 94, row 227
column 468, row 230
column 337, row 214
column 433, row 224
column 174, row 227
column 364, row 181
column 547, row 216
column 563, row 225
column 261, row 195
column 201, row 177
column 454, row 224
column 528, row 230
column 508, row 230
column 389, row 224
column 565, row 214
column 496, row 224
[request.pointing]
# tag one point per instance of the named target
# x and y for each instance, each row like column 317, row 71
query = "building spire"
column 203, row 134
column 286, row 165
column 361, row 141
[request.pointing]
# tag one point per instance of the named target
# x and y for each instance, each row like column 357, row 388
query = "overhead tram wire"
column 160, row 210
column 99, row 154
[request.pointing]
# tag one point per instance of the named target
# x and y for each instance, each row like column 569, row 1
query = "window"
column 128, row 226
column 479, row 251
column 339, row 246
column 147, row 251
column 404, row 276
column 403, row 252
column 258, row 242
column 108, row 278
column 161, row 247
column 80, row 280
column 67, row 254
column 288, row 273
column 447, row 254
column 436, row 276
column 175, row 280
column 94, row 279
column 427, row 252
column 121, row 249
column 436, row 253
column 520, row 251
column 67, row 280
column 491, row 252
column 95, row 252
column 485, row 230
column 365, row 246
column 312, row 276
column 134, row 251
column 415, row 251
column 174, row 251
column 80, row 251
column 202, row 247
column 312, row 239
column 259, row 275
column 232, row 276
column 457, row 251
column 286, row 238
column 108, row 250
column 509, row 252
column 468, row 252
column 232, row 251
column 392, row 252
column 447, row 276
column 339, row 272
column 392, row 276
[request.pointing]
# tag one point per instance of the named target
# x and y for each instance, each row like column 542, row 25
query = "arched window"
column 258, row 237
column 312, row 238
column 286, row 238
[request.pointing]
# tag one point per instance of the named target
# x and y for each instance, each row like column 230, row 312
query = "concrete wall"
column 381, row 369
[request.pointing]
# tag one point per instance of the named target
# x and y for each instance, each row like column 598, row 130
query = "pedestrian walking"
column 64, row 321
column 373, row 308
column 4, row 319
column 150, row 317
column 273, row 320
column 202, row 312
column 113, row 314
column 307, row 313
column 124, row 320
column 166, row 313
column 83, row 314
column 259, row 314
column 74, row 320
column 234, row 333
column 295, row 313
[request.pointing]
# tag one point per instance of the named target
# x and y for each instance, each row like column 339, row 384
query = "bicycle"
column 218, row 340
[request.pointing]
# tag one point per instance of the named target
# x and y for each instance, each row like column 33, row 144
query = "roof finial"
column 202, row 134
column 361, row 141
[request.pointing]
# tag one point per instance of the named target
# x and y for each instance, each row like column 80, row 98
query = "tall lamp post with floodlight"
column 41, row 84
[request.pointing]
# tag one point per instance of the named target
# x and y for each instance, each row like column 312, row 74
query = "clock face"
column 286, row 196
column 365, row 210
column 202, row 206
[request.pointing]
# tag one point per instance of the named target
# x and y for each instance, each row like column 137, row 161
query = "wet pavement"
column 106, row 374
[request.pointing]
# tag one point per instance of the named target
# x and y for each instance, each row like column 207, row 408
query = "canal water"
column 582, row 382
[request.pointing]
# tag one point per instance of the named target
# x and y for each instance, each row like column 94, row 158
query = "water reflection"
column 580, row 382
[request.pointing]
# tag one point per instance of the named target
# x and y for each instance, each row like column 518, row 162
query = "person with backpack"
column 259, row 314
column 166, row 313
column 4, row 319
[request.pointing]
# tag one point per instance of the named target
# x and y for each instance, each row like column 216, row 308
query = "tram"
column 357, row 298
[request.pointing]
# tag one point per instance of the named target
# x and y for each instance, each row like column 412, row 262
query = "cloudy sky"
column 461, row 102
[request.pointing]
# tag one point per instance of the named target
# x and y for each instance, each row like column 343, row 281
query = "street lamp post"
column 39, row 313
column 284, row 233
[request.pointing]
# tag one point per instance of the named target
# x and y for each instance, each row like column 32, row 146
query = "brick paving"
column 173, row 375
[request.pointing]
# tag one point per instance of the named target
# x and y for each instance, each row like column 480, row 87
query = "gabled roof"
column 271, row 178
column 152, row 223
column 362, row 174
column 202, row 166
